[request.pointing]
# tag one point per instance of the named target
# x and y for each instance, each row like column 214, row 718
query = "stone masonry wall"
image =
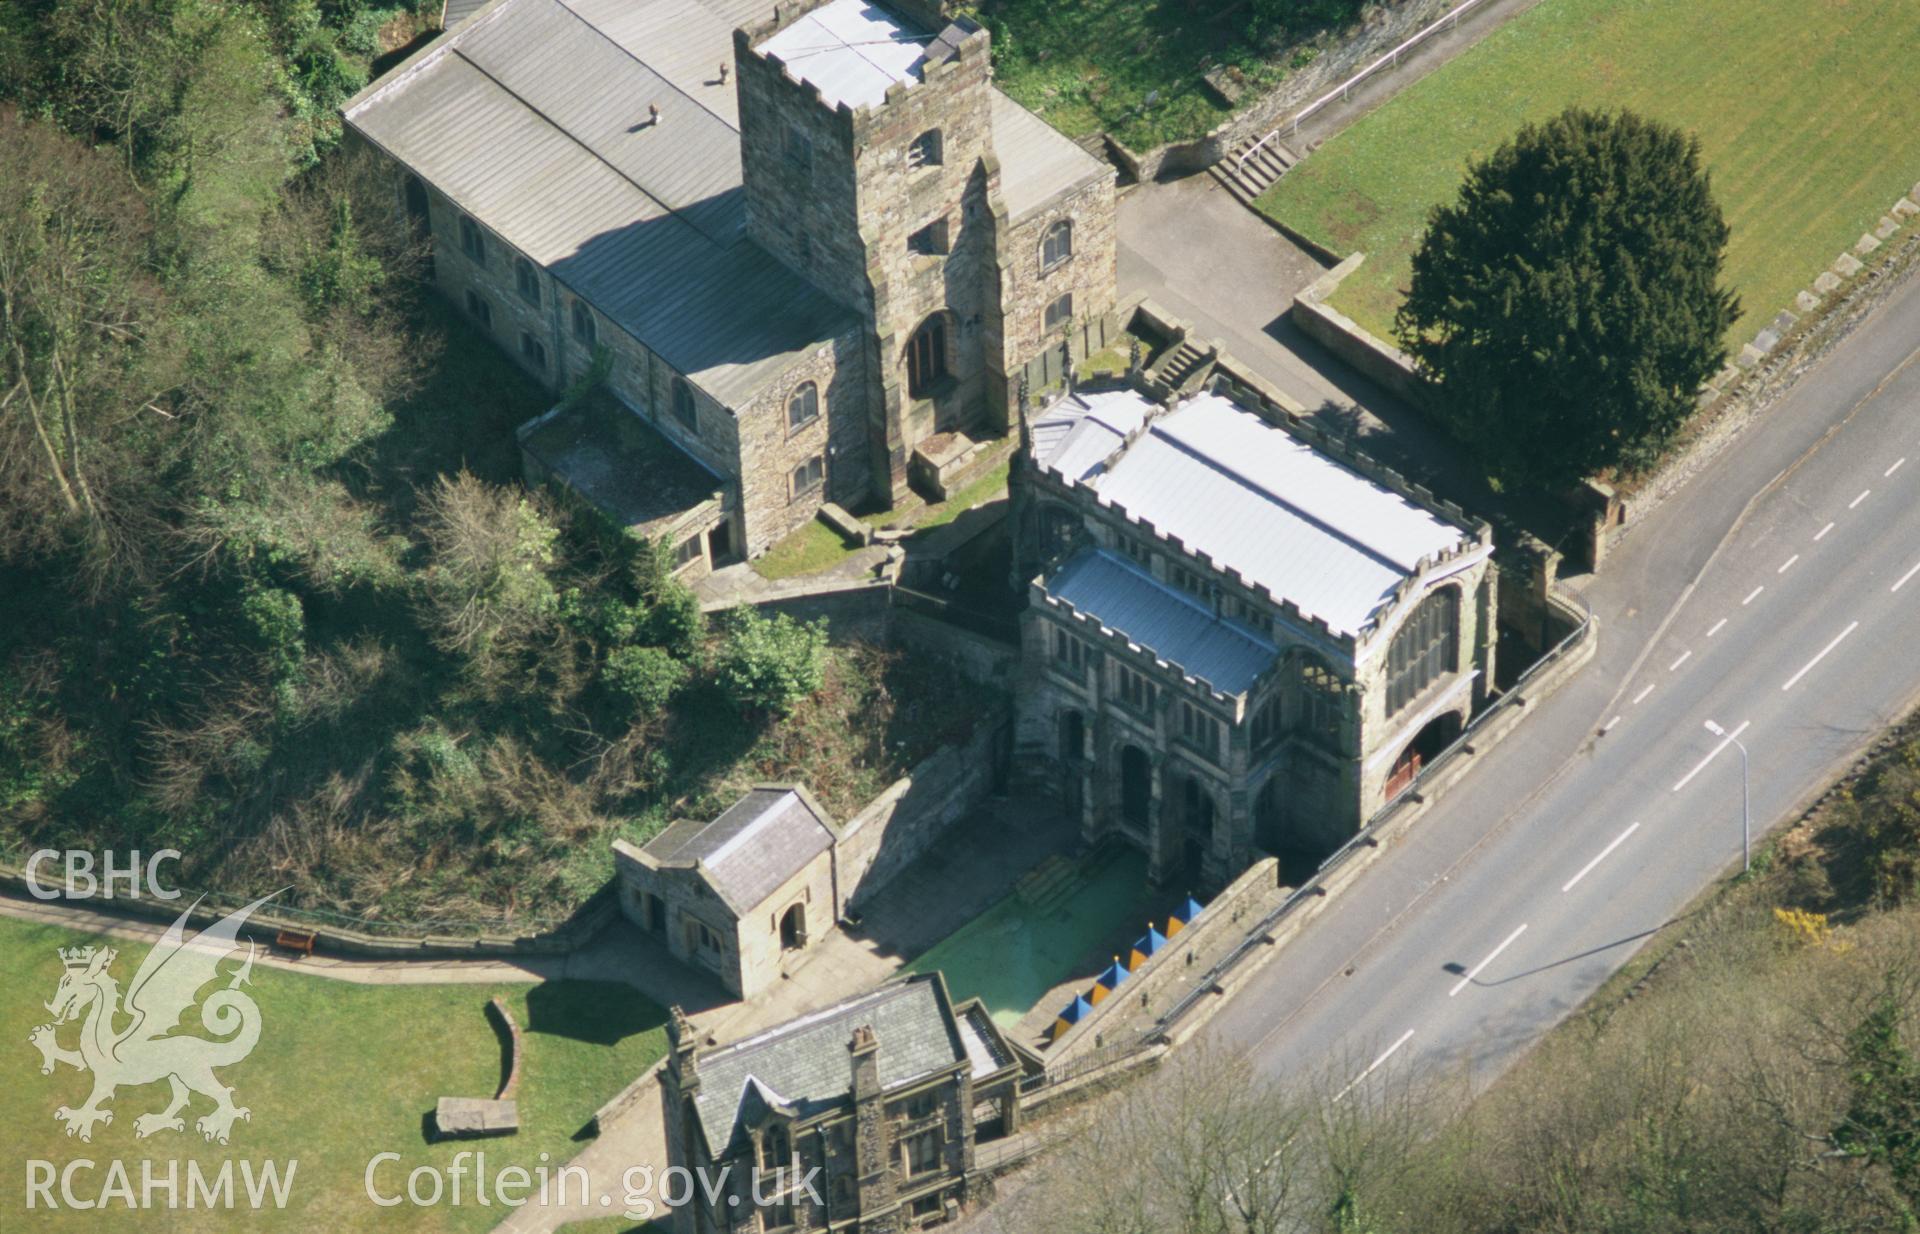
column 905, row 820
column 1027, row 287
column 770, row 449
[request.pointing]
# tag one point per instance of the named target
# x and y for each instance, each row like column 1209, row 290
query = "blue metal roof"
column 1169, row 623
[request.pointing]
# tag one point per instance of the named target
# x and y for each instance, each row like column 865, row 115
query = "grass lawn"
column 816, row 546
column 812, row 547
column 342, row 1072
column 1803, row 110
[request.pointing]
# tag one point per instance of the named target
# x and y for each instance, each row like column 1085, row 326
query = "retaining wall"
column 913, row 812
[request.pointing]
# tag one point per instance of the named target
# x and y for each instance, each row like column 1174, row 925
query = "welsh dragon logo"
column 144, row 1052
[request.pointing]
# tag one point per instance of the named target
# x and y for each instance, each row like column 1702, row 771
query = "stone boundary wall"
column 1338, row 55
column 913, row 812
column 1144, row 991
column 1373, row 358
column 1781, row 352
column 1391, row 825
column 410, row 941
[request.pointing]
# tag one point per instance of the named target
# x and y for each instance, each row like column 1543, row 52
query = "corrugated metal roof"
column 641, row 221
column 1037, row 161
column 758, row 843
column 1171, row 624
column 853, row 50
column 805, row 1066
column 684, row 41
column 453, row 12
column 1262, row 501
column 1076, row 434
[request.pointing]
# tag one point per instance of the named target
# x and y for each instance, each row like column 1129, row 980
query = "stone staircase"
column 1248, row 179
column 1179, row 366
column 1049, row 885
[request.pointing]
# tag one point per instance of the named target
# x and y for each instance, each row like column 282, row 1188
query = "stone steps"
column 1180, row 364
column 1043, row 880
column 1247, row 179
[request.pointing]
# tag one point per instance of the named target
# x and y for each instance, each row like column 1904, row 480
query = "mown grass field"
column 1804, row 110
column 341, row 1072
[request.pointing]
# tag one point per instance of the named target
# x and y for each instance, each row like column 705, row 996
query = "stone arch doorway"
column 1436, row 735
column 1073, row 745
column 1136, row 787
column 793, row 928
column 1196, row 822
column 1269, row 816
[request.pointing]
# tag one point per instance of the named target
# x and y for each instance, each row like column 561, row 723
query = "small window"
column 1200, row 730
column 925, row 150
column 1058, row 245
column 473, row 241
column 479, row 309
column 1069, row 650
column 808, row 476
column 1138, row 550
column 800, row 151
column 804, row 407
column 1059, row 313
column 1135, row 691
column 1188, row 581
column 584, row 329
column 929, row 241
column 527, row 280
column 534, row 350
column 689, row 550
column 683, row 407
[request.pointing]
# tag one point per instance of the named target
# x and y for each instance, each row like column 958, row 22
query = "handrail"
column 1365, row 836
column 1345, row 88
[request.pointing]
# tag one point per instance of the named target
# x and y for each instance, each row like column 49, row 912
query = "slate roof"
column 531, row 116
column 1255, row 498
column 758, row 843
column 803, row 1068
column 1166, row 621
column 536, row 123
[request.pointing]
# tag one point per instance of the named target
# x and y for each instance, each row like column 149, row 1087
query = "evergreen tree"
column 1567, row 307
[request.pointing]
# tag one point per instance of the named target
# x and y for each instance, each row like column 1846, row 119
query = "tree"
column 488, row 588
column 1566, row 308
column 771, row 663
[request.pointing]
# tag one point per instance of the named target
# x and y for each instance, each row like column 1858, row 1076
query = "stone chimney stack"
column 685, row 1044
column 864, row 1050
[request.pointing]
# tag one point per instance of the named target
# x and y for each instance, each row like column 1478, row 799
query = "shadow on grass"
column 596, row 1012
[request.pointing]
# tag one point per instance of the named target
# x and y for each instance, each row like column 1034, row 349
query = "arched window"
column 1425, row 648
column 925, row 150
column 527, row 280
column 683, row 404
column 803, row 407
column 1058, row 246
column 927, row 356
column 583, row 328
column 1320, row 700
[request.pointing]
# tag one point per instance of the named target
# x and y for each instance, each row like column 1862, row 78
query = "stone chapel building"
column 804, row 240
column 1243, row 637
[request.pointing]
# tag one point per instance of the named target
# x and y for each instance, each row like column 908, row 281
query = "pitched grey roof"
column 803, row 1066
column 536, row 123
column 1038, row 162
column 1171, row 624
column 759, row 842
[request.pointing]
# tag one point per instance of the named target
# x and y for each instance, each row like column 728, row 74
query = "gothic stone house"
column 886, row 1092
column 1241, row 636
column 805, row 239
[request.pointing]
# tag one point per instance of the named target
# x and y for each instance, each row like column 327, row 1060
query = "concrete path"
column 1202, row 256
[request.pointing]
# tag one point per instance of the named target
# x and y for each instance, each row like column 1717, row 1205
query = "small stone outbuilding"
column 742, row 896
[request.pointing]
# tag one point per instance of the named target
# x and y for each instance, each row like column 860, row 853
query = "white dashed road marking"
column 1808, row 667
column 1491, row 957
column 1588, row 868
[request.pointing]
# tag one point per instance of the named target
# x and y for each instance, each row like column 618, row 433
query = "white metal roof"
column 852, row 50
column 1257, row 499
column 1076, row 434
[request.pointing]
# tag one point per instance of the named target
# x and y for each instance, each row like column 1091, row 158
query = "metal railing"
column 1366, row 836
column 1345, row 88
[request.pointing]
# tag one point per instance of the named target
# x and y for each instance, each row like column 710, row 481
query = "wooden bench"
column 301, row 941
